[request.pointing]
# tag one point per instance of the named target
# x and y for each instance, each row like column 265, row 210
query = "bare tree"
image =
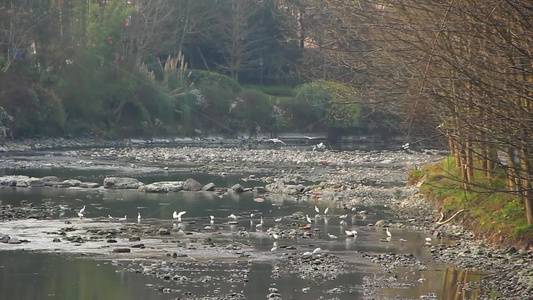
column 235, row 38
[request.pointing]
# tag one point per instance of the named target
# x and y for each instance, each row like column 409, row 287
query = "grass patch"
column 496, row 216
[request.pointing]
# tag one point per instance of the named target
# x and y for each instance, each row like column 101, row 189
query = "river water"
column 36, row 275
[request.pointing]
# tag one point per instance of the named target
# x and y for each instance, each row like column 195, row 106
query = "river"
column 248, row 272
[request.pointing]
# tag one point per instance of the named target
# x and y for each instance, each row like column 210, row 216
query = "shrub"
column 201, row 79
column 335, row 102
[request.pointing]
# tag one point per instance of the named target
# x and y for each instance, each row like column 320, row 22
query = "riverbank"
column 349, row 179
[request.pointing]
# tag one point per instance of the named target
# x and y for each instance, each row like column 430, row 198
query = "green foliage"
column 253, row 108
column 106, row 28
column 336, row 103
column 493, row 214
column 274, row 90
column 199, row 79
column 39, row 111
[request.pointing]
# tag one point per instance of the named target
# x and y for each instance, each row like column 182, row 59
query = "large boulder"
column 122, row 183
column 277, row 187
column 162, row 187
column 209, row 187
column 14, row 180
column 72, row 182
column 237, row 188
column 35, row 182
column 50, row 180
column 192, row 185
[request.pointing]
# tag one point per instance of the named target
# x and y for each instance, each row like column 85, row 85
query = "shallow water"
column 25, row 275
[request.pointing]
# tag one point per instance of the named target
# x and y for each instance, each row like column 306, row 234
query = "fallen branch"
column 440, row 222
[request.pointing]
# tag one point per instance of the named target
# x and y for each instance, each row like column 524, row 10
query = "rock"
column 14, row 180
column 164, row 231
column 259, row 189
column 237, row 188
column 5, row 238
column 380, row 223
column 61, row 185
column 56, row 240
column 291, row 190
column 14, row 241
column 72, row 182
column 277, row 187
column 511, row 250
column 192, row 185
column 89, row 185
column 21, row 184
column 50, row 180
column 36, row 183
column 121, row 250
column 209, row 187
column 121, row 183
column 162, row 187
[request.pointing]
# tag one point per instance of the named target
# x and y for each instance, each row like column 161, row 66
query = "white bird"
column 232, row 216
column 402, row 241
column 123, row 219
column 319, row 146
column 63, row 207
column 331, row 236
column 110, row 217
column 275, row 236
column 308, row 219
column 428, row 240
column 405, row 146
column 317, row 250
column 82, row 210
column 317, row 210
column 351, row 233
column 326, row 211
column 212, row 219
column 308, row 253
column 138, row 217
column 177, row 216
column 80, row 215
column 278, row 219
column 275, row 247
column 343, row 216
column 275, row 141
column 389, row 234
column 260, row 224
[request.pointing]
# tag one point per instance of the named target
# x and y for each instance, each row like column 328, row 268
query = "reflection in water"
column 446, row 282
column 39, row 276
column 26, row 276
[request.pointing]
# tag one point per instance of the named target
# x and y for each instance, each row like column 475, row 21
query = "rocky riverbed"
column 349, row 179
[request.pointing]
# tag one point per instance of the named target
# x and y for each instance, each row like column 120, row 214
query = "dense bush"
column 200, row 78
column 333, row 102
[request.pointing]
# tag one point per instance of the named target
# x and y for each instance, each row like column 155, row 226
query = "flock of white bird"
column 177, row 217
